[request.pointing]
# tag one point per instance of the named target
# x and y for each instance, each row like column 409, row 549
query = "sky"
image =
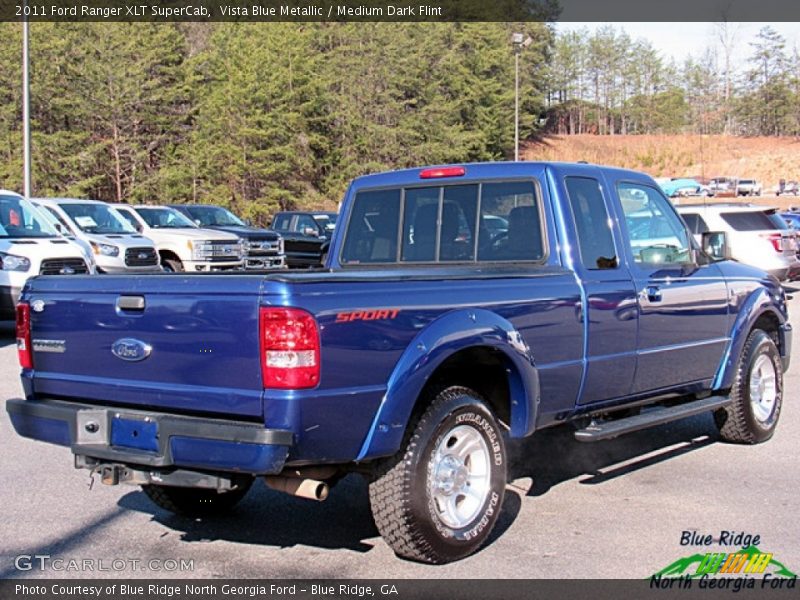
column 679, row 40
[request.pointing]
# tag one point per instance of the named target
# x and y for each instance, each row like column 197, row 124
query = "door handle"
column 653, row 293
column 130, row 303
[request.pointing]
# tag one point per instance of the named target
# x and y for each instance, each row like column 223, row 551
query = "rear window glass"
column 695, row 223
column 453, row 223
column 748, row 221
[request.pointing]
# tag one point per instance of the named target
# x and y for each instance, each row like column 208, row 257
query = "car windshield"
column 326, row 221
column 96, row 218
column 214, row 216
column 164, row 218
column 20, row 219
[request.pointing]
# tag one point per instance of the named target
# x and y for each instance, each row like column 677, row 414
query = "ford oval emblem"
column 131, row 349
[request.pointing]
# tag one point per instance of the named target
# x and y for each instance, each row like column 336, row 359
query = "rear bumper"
column 151, row 439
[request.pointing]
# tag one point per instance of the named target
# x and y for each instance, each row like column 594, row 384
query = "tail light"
column 776, row 239
column 289, row 348
column 24, row 350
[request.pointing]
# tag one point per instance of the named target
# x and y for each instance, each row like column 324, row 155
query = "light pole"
column 26, row 110
column 519, row 41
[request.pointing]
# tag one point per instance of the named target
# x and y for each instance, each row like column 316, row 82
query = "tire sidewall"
column 761, row 346
column 461, row 409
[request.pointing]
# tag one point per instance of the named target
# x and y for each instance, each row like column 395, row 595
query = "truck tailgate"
column 192, row 345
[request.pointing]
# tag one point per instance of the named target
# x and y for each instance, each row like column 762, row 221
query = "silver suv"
column 755, row 235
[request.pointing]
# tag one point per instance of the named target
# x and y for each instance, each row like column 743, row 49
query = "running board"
column 612, row 429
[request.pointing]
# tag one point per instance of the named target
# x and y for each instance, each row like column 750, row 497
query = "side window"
column 592, row 222
column 59, row 218
column 657, row 235
column 695, row 223
column 303, row 223
column 510, row 226
column 372, row 230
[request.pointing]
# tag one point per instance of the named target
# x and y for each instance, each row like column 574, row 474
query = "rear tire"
column 757, row 394
column 438, row 499
column 195, row 502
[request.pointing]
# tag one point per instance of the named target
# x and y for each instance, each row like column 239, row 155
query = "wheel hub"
column 451, row 475
column 459, row 476
column 763, row 388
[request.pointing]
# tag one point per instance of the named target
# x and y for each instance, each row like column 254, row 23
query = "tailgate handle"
column 130, row 303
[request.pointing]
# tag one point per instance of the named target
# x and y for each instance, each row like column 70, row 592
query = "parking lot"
column 613, row 509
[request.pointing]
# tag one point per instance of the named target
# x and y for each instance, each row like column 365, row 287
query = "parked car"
column 413, row 356
column 684, row 187
column 748, row 187
column 306, row 236
column 787, row 188
column 723, row 186
column 30, row 245
column 182, row 245
column 116, row 245
column 264, row 247
column 752, row 235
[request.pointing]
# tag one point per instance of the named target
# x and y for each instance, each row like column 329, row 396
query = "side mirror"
column 198, row 222
column 60, row 228
column 248, row 222
column 311, row 231
column 715, row 244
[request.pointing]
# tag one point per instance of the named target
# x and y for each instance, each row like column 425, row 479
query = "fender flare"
column 455, row 331
column 757, row 304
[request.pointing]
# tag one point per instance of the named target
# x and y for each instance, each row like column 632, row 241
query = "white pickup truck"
column 182, row 245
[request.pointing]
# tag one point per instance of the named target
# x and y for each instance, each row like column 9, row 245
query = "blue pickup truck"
column 428, row 342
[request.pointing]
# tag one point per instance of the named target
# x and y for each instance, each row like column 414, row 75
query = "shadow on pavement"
column 553, row 456
column 269, row 518
column 7, row 331
column 344, row 521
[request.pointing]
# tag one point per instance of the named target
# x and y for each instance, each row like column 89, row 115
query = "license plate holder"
column 135, row 433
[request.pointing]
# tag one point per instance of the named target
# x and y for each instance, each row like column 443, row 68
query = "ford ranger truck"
column 428, row 343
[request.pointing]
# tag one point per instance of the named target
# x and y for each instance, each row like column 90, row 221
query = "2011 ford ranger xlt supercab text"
column 428, row 342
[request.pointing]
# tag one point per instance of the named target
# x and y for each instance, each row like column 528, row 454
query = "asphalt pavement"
column 614, row 509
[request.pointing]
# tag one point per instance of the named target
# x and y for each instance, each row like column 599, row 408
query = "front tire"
column 196, row 502
column 438, row 500
column 757, row 394
column 171, row 265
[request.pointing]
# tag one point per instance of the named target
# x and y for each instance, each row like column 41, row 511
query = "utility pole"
column 519, row 41
column 26, row 108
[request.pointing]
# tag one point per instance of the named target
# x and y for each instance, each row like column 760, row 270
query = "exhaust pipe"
column 297, row 486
